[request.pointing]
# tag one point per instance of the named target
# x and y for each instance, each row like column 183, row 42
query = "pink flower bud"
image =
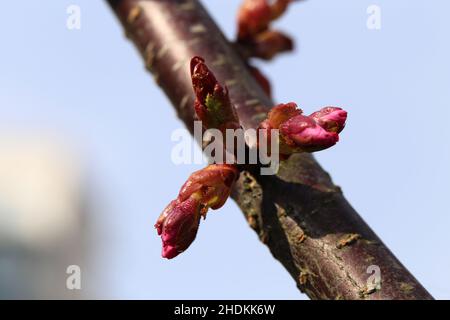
column 178, row 225
column 304, row 133
column 300, row 133
column 330, row 118
column 207, row 188
column 278, row 115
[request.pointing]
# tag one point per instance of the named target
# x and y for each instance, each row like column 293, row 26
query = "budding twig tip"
column 207, row 188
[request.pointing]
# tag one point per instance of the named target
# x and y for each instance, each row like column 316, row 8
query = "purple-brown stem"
column 299, row 213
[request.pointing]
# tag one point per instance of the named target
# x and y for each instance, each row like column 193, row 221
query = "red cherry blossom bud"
column 212, row 183
column 268, row 44
column 278, row 7
column 261, row 79
column 212, row 105
column 330, row 118
column 254, row 16
column 281, row 113
column 304, row 133
column 178, row 225
column 300, row 133
column 207, row 188
column 278, row 115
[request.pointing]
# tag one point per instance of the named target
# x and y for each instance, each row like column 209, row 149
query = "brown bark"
column 299, row 213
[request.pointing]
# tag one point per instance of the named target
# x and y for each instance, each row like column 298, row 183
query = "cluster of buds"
column 256, row 39
column 210, row 187
column 207, row 188
column 301, row 133
column 255, row 16
column 254, row 33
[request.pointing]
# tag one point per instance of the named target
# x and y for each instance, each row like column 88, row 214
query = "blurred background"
column 85, row 150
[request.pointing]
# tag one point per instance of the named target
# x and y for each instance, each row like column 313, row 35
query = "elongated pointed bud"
column 212, row 104
column 207, row 188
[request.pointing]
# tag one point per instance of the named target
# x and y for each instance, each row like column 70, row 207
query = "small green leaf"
column 215, row 108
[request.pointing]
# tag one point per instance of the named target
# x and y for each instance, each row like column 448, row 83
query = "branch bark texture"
column 299, row 213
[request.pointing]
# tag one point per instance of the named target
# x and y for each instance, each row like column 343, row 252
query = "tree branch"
column 299, row 214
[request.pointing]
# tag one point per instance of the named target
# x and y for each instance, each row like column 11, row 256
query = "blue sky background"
column 90, row 87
